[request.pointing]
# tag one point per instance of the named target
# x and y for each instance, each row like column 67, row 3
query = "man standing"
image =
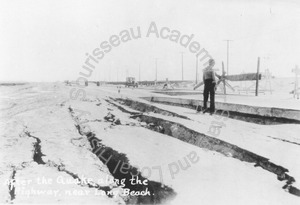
column 209, row 80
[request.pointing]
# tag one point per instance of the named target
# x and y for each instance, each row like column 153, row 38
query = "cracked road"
column 78, row 151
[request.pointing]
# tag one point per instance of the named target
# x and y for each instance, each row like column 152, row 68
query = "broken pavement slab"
column 288, row 114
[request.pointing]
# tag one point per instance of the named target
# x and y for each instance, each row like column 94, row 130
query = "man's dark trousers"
column 209, row 89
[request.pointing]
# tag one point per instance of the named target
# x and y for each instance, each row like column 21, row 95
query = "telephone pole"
column 155, row 70
column 139, row 72
column 257, row 77
column 181, row 65
column 227, row 55
column 196, row 69
column 109, row 72
column 117, row 75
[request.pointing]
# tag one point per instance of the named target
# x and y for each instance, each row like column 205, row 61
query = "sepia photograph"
column 121, row 102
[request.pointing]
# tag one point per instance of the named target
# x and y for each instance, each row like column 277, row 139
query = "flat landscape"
column 115, row 147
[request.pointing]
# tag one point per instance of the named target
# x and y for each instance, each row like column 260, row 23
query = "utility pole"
column 196, row 69
column 227, row 55
column 109, row 72
column 296, row 70
column 257, row 77
column 155, row 70
column 139, row 72
column 117, row 75
column 99, row 75
column 181, row 65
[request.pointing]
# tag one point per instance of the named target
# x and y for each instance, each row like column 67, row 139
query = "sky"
column 49, row 40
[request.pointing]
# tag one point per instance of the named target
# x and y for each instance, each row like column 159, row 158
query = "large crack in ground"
column 37, row 154
column 81, row 182
column 283, row 140
column 143, row 107
column 150, row 193
column 257, row 119
column 202, row 140
column 11, row 185
column 37, row 157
